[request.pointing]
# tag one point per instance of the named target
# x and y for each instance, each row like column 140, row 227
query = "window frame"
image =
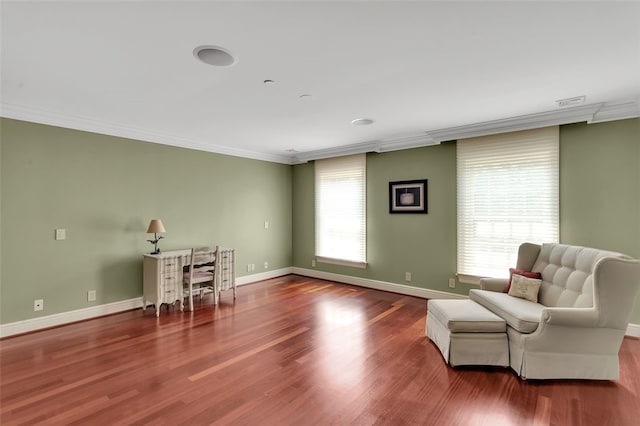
column 513, row 158
column 336, row 174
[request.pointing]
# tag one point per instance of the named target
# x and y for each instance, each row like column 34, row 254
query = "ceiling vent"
column 578, row 100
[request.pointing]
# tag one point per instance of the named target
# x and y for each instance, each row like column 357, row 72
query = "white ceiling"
column 127, row 68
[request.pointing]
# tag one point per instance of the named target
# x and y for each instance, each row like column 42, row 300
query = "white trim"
column 340, row 151
column 261, row 276
column 408, row 142
column 378, row 285
column 617, row 111
column 341, row 262
column 469, row 279
column 24, row 113
column 633, row 330
column 386, row 145
column 63, row 318
column 523, row 122
column 53, row 320
column 591, row 113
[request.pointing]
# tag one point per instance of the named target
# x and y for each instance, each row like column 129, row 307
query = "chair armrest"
column 570, row 317
column 493, row 284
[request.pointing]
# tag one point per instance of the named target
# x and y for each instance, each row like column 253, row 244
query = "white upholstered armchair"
column 577, row 325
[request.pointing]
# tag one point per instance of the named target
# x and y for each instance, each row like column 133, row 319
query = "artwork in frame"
column 409, row 196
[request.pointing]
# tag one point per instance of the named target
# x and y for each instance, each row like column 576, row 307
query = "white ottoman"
column 466, row 333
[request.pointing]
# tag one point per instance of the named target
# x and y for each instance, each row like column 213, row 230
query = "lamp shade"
column 155, row 226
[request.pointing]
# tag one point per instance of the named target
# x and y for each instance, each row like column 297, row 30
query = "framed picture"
column 409, row 196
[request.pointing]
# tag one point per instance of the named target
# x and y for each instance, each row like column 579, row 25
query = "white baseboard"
column 378, row 285
column 62, row 318
column 53, row 320
column 248, row 279
column 632, row 330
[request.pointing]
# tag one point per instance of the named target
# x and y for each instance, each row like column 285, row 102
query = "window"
column 508, row 193
column 340, row 190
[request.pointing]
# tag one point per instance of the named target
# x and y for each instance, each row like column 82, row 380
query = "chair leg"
column 190, row 297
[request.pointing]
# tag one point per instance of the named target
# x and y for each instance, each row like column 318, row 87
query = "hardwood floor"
column 290, row 351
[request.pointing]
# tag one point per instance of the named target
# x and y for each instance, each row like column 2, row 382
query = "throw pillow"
column 536, row 275
column 525, row 288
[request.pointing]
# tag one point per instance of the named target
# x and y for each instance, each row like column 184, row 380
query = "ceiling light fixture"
column 269, row 82
column 362, row 121
column 214, row 55
column 305, row 96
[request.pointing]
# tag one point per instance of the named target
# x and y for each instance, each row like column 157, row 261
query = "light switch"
column 266, row 224
column 61, row 234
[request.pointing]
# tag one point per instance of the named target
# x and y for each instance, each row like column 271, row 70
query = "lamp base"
column 155, row 244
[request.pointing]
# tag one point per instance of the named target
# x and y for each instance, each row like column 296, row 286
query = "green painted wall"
column 424, row 245
column 599, row 203
column 600, row 187
column 104, row 190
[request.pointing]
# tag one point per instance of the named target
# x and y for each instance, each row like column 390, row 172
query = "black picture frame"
column 415, row 201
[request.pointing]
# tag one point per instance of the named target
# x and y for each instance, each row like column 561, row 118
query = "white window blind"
column 340, row 190
column 508, row 193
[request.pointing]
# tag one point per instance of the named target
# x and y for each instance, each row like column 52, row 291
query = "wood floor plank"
column 247, row 354
column 289, row 351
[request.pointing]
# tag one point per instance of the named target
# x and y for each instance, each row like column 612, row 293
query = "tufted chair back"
column 568, row 274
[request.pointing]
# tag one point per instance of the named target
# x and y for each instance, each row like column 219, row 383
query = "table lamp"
column 155, row 227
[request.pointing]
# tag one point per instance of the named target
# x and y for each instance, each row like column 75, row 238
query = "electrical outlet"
column 407, row 276
column 38, row 305
column 61, row 234
column 266, row 265
column 313, row 263
column 91, row 296
column 452, row 283
column 266, row 224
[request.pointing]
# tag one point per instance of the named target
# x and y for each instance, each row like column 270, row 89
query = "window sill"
column 342, row 262
column 469, row 279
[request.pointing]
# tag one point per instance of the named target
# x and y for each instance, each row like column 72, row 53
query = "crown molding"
column 339, row 151
column 386, row 145
column 19, row 112
column 406, row 143
column 523, row 122
column 617, row 111
column 592, row 113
